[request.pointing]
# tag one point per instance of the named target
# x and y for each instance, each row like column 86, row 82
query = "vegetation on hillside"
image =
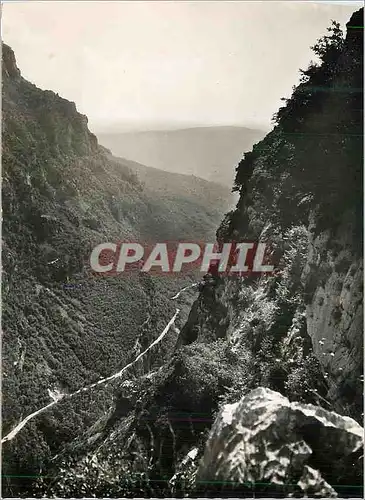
column 304, row 176
column 312, row 158
column 245, row 333
column 64, row 327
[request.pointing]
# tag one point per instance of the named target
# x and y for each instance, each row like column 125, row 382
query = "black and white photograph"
column 182, row 249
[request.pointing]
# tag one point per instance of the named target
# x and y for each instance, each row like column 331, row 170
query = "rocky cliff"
column 301, row 191
column 264, row 439
column 297, row 332
column 274, row 362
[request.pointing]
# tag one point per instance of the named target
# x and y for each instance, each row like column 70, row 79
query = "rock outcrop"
column 266, row 439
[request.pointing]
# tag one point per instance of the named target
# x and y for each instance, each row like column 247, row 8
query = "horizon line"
column 124, row 128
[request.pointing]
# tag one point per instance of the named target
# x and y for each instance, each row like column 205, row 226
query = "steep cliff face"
column 301, row 191
column 335, row 315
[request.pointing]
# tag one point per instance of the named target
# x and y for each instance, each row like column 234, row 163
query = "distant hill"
column 208, row 152
column 211, row 197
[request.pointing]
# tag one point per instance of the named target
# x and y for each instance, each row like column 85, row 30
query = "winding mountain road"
column 24, row 422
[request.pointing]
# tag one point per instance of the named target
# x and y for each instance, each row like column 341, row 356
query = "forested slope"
column 267, row 359
column 64, row 327
column 297, row 333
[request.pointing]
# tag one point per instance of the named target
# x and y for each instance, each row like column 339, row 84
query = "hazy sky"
column 141, row 64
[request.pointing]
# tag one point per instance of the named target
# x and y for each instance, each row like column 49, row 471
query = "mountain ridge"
column 64, row 327
column 206, row 152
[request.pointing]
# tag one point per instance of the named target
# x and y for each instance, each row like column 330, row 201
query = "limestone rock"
column 266, row 438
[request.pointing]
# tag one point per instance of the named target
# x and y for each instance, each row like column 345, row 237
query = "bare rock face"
column 264, row 438
column 9, row 63
column 334, row 314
